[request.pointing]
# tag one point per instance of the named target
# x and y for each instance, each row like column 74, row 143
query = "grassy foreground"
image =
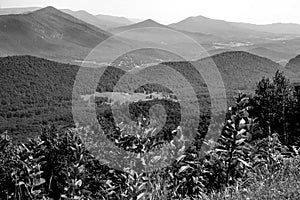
column 282, row 184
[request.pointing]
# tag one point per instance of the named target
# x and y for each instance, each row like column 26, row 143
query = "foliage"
column 280, row 184
column 250, row 153
column 279, row 109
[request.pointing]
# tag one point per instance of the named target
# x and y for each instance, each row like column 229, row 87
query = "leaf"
column 78, row 183
column 180, row 158
column 41, row 143
column 183, row 168
column 140, row 195
column 36, row 192
column 81, row 168
column 155, row 159
column 244, row 162
column 21, row 183
column 73, row 149
column 38, row 173
column 240, row 141
column 39, row 181
column 142, row 186
column 108, row 182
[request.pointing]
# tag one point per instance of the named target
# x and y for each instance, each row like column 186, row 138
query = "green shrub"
column 249, row 161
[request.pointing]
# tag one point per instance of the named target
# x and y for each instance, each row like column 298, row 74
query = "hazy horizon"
column 168, row 11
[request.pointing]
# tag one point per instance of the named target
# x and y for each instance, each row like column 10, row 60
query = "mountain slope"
column 114, row 20
column 276, row 56
column 234, row 29
column 101, row 21
column 239, row 70
column 209, row 26
column 48, row 33
column 149, row 23
column 34, row 91
column 276, row 28
column 242, row 70
column 150, row 32
column 37, row 91
column 294, row 65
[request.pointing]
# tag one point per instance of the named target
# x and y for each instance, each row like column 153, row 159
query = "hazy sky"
column 169, row 11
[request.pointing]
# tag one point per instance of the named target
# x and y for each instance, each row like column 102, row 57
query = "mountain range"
column 209, row 26
column 36, row 90
column 48, row 33
column 275, row 28
column 192, row 24
column 101, row 21
column 225, row 28
column 67, row 36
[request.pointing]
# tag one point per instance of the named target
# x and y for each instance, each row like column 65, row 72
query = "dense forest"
column 36, row 91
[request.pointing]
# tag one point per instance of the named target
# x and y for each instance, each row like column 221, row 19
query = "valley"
column 99, row 106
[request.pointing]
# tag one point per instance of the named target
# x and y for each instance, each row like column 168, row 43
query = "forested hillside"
column 37, row 91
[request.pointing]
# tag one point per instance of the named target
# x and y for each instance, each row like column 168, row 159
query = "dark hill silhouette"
column 242, row 70
column 239, row 70
column 276, row 56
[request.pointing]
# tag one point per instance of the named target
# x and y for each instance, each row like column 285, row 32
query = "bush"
column 278, row 107
column 249, row 161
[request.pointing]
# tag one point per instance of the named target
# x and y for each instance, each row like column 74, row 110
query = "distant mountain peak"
column 49, row 33
column 148, row 23
column 48, row 9
column 200, row 17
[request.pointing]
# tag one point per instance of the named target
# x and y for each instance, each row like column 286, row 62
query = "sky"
column 171, row 11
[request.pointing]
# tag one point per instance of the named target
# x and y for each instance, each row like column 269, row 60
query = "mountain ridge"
column 148, row 23
column 48, row 33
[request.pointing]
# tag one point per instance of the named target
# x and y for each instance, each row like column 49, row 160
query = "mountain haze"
column 9, row 11
column 276, row 28
column 209, row 26
column 149, row 23
column 101, row 21
column 49, row 33
column 117, row 21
